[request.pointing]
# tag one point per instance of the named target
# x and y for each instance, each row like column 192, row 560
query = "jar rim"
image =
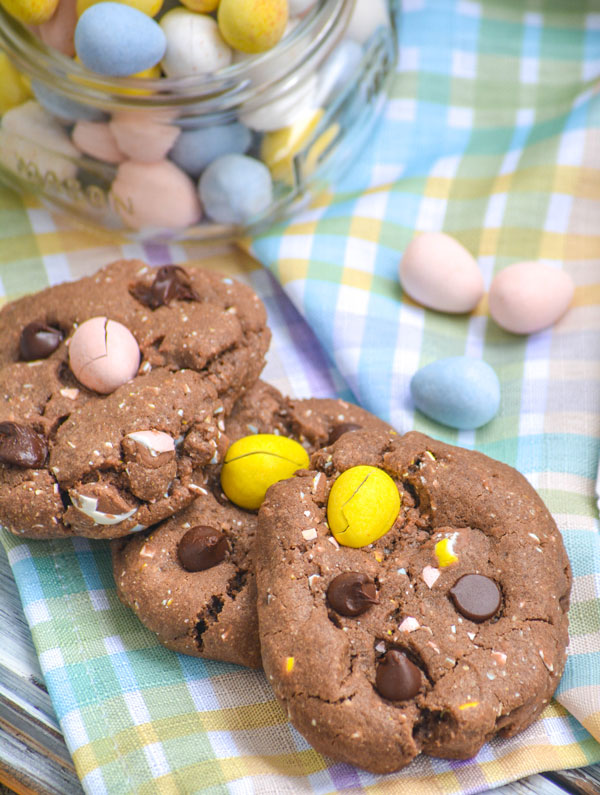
column 44, row 63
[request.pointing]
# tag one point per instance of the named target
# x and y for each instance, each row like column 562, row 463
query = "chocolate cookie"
column 115, row 387
column 195, row 590
column 445, row 630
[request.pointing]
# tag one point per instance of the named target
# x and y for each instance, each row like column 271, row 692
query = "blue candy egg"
column 235, row 188
column 64, row 108
column 117, row 40
column 457, row 391
column 195, row 149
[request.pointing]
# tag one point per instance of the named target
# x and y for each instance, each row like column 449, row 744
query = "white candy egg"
column 194, row 44
column 438, row 272
column 529, row 296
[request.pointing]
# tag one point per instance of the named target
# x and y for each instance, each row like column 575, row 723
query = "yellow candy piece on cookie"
column 252, row 25
column 31, row 12
column 444, row 551
column 14, row 89
column 255, row 462
column 363, row 504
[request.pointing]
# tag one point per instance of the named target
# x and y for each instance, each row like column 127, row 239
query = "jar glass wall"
column 201, row 157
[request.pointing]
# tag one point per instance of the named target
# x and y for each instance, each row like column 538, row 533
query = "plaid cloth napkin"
column 490, row 134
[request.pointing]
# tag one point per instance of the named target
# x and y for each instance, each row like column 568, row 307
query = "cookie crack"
column 206, row 619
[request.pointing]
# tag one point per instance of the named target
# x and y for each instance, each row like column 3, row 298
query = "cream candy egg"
column 368, row 15
column 529, row 296
column 276, row 111
column 438, row 272
column 194, row 44
column 30, row 134
column 103, row 354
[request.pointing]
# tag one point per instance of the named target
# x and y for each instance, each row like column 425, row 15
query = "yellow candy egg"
column 444, row 551
column 363, row 504
column 149, row 7
column 252, row 25
column 13, row 86
column 201, row 6
column 279, row 148
column 31, row 12
column 254, row 463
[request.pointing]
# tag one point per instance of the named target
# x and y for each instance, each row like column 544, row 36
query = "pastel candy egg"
column 59, row 31
column 457, row 391
column 235, row 188
column 143, row 137
column 103, row 354
column 275, row 111
column 297, row 7
column 439, row 273
column 252, row 25
column 338, row 69
column 363, row 504
column 279, row 148
column 31, row 12
column 155, row 196
column 529, row 296
column 201, row 6
column 114, row 39
column 194, row 44
column 64, row 108
column 252, row 464
column 368, row 15
column 95, row 139
column 148, row 7
column 194, row 150
column 13, row 89
column 31, row 135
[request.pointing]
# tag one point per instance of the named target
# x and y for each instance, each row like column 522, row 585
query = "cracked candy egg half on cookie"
column 114, row 388
column 434, row 630
column 190, row 579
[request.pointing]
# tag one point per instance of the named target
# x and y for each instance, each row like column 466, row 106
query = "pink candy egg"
column 141, row 138
column 103, row 354
column 155, row 196
column 438, row 272
column 95, row 139
column 529, row 296
column 59, row 30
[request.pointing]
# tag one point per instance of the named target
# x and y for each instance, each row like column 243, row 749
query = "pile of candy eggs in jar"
column 159, row 168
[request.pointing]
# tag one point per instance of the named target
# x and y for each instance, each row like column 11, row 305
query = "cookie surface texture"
column 212, row 612
column 449, row 629
column 81, row 461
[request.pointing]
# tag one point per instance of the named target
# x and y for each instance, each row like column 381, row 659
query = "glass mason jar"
column 301, row 111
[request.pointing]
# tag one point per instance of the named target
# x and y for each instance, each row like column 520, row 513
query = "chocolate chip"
column 397, row 678
column 171, row 282
column 475, row 596
column 352, row 593
column 341, row 429
column 202, row 548
column 38, row 341
column 21, row 446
